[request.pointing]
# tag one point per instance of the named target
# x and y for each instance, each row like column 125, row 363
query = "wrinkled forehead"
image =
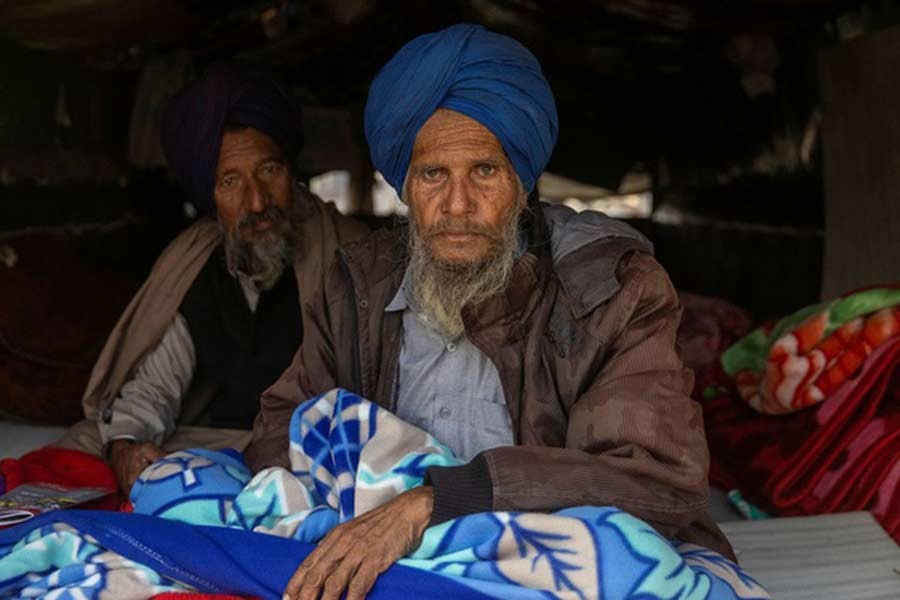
column 241, row 144
column 238, row 138
column 448, row 131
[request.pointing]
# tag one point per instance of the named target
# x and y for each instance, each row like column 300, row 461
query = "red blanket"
column 70, row 468
column 840, row 455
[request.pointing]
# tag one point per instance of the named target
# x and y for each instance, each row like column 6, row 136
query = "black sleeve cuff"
column 462, row 490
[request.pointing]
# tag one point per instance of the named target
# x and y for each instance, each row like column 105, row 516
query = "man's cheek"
column 283, row 195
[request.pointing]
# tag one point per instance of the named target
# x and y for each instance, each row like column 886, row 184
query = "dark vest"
column 240, row 351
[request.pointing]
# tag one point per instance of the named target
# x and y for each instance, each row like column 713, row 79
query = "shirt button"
column 445, row 412
column 451, row 347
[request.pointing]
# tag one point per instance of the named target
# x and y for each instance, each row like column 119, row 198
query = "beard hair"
column 442, row 289
column 263, row 258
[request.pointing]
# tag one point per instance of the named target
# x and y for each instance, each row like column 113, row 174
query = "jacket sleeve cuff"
column 462, row 490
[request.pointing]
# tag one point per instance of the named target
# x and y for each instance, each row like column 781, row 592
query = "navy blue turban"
column 488, row 77
column 195, row 121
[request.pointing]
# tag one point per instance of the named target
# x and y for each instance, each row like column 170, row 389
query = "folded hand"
column 128, row 459
column 355, row 553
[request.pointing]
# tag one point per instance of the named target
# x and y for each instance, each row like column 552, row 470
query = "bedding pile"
column 810, row 422
column 199, row 515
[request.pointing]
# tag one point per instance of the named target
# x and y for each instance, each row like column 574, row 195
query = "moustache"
column 275, row 214
column 463, row 227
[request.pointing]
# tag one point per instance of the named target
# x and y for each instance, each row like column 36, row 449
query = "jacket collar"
column 583, row 250
column 587, row 249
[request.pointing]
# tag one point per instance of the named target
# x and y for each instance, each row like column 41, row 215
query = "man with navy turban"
column 538, row 344
column 221, row 313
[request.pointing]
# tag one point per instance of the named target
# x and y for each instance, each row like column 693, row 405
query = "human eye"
column 486, row 169
column 272, row 168
column 228, row 181
column 432, row 174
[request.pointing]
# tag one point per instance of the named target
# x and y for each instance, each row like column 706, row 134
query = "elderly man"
column 537, row 344
column 219, row 317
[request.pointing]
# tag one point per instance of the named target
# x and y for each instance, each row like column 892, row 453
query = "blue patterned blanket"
column 347, row 457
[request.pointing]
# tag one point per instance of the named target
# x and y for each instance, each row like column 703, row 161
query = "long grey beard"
column 443, row 289
column 264, row 260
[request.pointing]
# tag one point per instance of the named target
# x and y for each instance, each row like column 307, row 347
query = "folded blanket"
column 349, row 456
column 810, row 354
column 75, row 554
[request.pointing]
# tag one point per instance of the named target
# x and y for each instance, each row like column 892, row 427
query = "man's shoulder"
column 571, row 231
column 371, row 261
column 378, row 252
column 633, row 283
column 188, row 251
column 203, row 232
column 321, row 215
column 595, row 255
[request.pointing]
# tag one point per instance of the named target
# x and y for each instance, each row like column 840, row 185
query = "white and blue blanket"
column 198, row 510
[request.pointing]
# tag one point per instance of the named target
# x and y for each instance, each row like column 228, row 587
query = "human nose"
column 458, row 200
column 256, row 198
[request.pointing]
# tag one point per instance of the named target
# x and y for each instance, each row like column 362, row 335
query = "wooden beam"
column 861, row 132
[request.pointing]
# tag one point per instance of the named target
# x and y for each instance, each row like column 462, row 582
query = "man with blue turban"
column 538, row 344
column 221, row 314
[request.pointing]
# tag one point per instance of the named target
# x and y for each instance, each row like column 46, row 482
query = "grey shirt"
column 448, row 388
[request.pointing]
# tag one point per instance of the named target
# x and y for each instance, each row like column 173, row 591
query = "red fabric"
column 70, row 468
column 841, row 455
column 708, row 327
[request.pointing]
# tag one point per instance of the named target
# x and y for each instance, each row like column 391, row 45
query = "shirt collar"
column 401, row 300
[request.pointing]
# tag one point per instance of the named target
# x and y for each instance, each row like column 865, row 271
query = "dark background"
column 718, row 101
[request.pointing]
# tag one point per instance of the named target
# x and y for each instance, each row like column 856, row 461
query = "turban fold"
column 488, row 77
column 195, row 119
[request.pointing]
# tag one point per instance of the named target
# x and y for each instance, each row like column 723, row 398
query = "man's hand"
column 128, row 458
column 355, row 553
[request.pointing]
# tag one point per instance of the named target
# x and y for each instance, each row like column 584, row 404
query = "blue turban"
column 195, row 119
column 488, row 77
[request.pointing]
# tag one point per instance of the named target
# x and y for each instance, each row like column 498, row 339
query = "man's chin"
column 454, row 262
column 262, row 236
column 459, row 255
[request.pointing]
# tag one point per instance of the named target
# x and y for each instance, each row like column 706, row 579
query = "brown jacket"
column 145, row 320
column 585, row 350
